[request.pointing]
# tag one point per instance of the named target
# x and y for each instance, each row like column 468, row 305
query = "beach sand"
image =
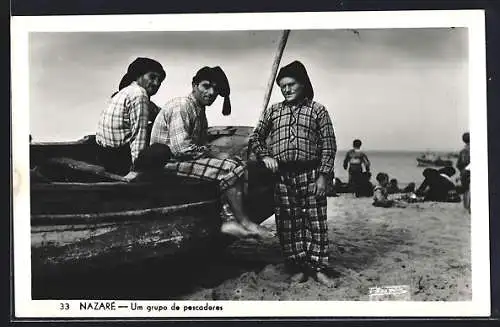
column 425, row 246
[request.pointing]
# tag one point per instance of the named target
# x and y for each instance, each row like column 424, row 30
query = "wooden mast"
column 276, row 64
column 274, row 72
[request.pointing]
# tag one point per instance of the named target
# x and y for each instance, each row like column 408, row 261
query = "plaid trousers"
column 301, row 220
column 227, row 171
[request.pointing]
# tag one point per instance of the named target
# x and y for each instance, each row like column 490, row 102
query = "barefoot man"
column 301, row 150
column 182, row 126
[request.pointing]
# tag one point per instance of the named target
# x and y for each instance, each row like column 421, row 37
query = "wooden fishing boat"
column 433, row 160
column 83, row 217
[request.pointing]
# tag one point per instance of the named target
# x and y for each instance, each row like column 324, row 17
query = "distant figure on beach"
column 380, row 193
column 466, row 184
column 438, row 186
column 301, row 151
column 393, row 186
column 365, row 186
column 354, row 161
column 464, row 154
column 447, row 172
column 123, row 132
column 463, row 166
column 410, row 188
column 182, row 126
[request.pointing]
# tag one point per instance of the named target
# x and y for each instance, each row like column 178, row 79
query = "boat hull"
column 85, row 219
column 90, row 245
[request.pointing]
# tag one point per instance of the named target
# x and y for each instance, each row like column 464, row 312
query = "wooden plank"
column 39, row 153
column 70, row 198
column 128, row 243
column 53, row 219
column 87, row 168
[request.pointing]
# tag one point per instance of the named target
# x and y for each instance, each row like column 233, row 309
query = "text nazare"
column 98, row 305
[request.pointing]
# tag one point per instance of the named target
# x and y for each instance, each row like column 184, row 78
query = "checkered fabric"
column 301, row 220
column 227, row 172
column 303, row 132
column 125, row 120
column 182, row 125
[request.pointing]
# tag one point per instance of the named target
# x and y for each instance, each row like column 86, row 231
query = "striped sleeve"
column 257, row 140
column 139, row 116
column 328, row 143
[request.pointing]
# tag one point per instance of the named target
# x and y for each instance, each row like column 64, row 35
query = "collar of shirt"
column 134, row 83
column 298, row 105
column 195, row 103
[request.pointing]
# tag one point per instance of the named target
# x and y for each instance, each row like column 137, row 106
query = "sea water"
column 401, row 165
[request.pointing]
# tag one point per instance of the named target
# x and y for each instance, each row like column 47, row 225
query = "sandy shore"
column 425, row 246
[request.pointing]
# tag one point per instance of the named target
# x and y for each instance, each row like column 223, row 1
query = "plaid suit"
column 182, row 125
column 302, row 139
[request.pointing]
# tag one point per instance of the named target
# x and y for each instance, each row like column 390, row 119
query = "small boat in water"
column 433, row 160
column 83, row 217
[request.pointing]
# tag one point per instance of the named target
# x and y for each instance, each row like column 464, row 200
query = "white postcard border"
column 474, row 20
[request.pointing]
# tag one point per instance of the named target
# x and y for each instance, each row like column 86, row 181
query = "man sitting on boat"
column 182, row 126
column 122, row 132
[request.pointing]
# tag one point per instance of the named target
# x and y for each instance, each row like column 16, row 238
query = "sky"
column 395, row 89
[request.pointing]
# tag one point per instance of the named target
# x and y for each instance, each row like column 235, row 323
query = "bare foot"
column 323, row 279
column 131, row 176
column 258, row 230
column 299, row 277
column 234, row 229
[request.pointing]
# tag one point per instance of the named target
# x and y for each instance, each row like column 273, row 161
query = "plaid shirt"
column 182, row 125
column 296, row 133
column 125, row 120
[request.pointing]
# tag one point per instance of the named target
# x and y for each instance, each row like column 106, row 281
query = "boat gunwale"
column 114, row 216
column 93, row 185
column 217, row 130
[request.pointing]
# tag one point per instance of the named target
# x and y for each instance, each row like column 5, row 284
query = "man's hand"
column 270, row 163
column 321, row 186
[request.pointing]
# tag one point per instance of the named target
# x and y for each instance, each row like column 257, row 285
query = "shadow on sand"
column 177, row 277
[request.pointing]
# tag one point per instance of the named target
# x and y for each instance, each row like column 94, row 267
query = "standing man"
column 354, row 161
column 122, row 132
column 182, row 126
column 463, row 165
column 464, row 154
column 301, row 151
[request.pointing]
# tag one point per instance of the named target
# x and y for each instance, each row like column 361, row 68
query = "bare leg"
column 235, row 199
column 229, row 224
